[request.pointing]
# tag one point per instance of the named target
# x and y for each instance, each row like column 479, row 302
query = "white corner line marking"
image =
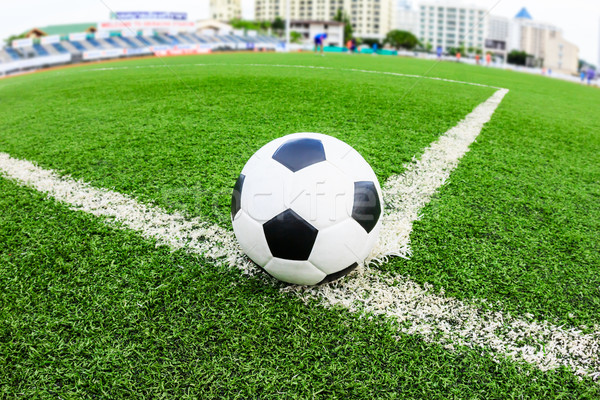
column 436, row 318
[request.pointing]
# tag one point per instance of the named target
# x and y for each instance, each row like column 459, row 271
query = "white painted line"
column 417, row 309
column 405, row 195
column 173, row 230
column 313, row 67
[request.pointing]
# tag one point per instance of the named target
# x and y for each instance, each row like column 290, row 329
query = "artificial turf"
column 91, row 311
column 516, row 226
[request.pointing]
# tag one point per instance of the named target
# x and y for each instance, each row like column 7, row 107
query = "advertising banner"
column 138, row 51
column 181, row 49
column 50, row 39
column 98, row 54
column 129, row 15
column 22, row 43
column 77, row 37
column 141, row 24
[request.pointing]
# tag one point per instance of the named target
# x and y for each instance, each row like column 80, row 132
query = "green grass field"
column 90, row 310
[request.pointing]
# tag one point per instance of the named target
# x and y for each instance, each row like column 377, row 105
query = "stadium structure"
column 65, row 44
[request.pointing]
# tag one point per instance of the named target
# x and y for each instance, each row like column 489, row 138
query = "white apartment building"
column 225, row 10
column 369, row 18
column 405, row 18
column 544, row 42
column 496, row 40
column 452, row 25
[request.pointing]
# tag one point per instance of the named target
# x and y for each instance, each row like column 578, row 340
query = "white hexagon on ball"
column 307, row 208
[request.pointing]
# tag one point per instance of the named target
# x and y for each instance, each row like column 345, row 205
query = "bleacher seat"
column 144, row 40
column 199, row 38
column 94, row 43
column 13, row 53
column 171, row 39
column 60, row 48
column 40, row 50
column 112, row 42
column 160, row 39
column 78, row 46
column 129, row 42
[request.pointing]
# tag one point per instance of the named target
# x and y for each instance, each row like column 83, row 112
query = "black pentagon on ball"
column 289, row 236
column 236, row 196
column 367, row 207
column 300, row 153
column 338, row 275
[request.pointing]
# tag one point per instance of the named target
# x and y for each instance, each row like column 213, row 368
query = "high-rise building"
column 544, row 42
column 498, row 28
column 452, row 25
column 406, row 19
column 225, row 10
column 369, row 18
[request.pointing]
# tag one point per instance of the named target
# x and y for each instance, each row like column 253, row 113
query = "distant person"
column 319, row 39
column 458, row 56
column 477, row 58
column 583, row 75
column 374, row 48
column 354, row 48
column 349, row 46
column 488, row 59
column 439, row 53
column 591, row 75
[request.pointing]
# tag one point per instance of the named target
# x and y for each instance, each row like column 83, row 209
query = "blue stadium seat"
column 144, row 40
column 199, row 38
column 112, row 42
column 59, row 47
column 13, row 53
column 78, row 46
column 40, row 50
column 94, row 43
column 160, row 39
column 171, row 39
column 129, row 42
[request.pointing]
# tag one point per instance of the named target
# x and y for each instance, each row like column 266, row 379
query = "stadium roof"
column 523, row 14
column 66, row 29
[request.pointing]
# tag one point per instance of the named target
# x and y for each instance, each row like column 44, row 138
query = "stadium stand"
column 160, row 39
column 170, row 39
column 144, row 40
column 128, row 42
column 13, row 53
column 94, row 43
column 60, row 48
column 111, row 43
column 41, row 51
column 78, row 46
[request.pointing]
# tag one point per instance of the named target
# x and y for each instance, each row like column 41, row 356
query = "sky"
column 579, row 19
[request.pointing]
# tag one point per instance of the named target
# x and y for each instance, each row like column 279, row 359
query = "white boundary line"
column 365, row 71
column 417, row 309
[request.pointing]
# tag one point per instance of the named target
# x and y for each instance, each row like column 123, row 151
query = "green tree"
column 341, row 16
column 428, row 47
column 401, row 39
column 278, row 25
column 14, row 37
column 517, row 57
column 295, row 37
column 370, row 42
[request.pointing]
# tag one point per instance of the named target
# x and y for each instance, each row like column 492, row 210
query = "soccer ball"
column 306, row 208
